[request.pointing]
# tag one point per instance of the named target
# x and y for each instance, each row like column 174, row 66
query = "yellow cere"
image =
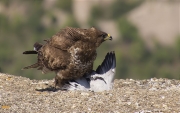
column 109, row 35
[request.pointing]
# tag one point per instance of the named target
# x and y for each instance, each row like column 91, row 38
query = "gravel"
column 22, row 95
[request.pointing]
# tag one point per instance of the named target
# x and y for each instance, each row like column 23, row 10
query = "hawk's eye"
column 103, row 35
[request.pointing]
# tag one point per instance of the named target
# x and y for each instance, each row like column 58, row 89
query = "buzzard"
column 70, row 53
column 99, row 80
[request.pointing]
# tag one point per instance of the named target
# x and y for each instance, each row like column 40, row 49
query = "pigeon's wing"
column 104, row 76
column 108, row 63
column 78, row 84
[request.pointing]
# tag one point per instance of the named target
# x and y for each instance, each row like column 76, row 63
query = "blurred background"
column 146, row 33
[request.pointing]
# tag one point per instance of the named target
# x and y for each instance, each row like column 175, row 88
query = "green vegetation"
column 139, row 62
column 19, row 32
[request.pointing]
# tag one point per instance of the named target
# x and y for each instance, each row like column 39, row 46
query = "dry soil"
column 22, row 95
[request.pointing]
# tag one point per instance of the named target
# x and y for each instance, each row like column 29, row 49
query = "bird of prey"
column 99, row 80
column 70, row 53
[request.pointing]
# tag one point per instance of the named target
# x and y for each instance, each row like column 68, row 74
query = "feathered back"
column 69, row 36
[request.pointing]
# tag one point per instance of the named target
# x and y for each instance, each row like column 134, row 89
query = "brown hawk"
column 70, row 53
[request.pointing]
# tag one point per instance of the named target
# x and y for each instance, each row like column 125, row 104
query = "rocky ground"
column 22, row 95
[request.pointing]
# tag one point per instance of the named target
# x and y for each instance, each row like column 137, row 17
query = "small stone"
column 85, row 94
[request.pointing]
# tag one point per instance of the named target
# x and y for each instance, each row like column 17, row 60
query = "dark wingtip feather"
column 99, row 70
column 113, row 60
column 108, row 63
column 30, row 52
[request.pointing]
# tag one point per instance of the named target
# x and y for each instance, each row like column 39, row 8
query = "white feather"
column 101, row 82
column 35, row 49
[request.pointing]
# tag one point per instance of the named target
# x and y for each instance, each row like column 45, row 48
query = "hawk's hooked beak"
column 108, row 37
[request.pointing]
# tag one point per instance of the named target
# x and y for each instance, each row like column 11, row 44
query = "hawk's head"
column 100, row 36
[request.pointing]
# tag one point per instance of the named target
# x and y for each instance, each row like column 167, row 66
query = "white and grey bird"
column 97, row 81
